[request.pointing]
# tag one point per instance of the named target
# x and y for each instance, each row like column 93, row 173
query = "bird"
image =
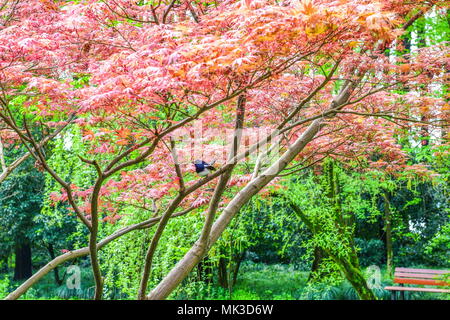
column 203, row 168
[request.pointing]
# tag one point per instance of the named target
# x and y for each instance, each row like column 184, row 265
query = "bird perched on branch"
column 203, row 168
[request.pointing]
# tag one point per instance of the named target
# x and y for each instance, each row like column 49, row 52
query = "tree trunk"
column 355, row 277
column 388, row 232
column 51, row 251
column 222, row 273
column 199, row 249
column 237, row 265
column 350, row 266
column 23, row 268
column 204, row 271
column 319, row 256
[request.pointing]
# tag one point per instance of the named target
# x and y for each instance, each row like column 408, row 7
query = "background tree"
column 20, row 203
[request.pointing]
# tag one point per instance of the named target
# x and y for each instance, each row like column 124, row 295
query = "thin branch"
column 173, row 151
column 36, row 152
column 166, row 12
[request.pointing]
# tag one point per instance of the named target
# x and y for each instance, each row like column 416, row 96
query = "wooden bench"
column 427, row 277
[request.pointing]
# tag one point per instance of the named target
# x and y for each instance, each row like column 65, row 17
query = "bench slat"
column 417, row 275
column 426, row 282
column 417, row 289
column 422, row 270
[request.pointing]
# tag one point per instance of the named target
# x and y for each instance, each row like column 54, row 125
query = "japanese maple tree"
column 149, row 83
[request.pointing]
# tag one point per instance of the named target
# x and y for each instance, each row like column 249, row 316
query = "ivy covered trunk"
column 205, row 271
column 228, row 269
column 341, row 224
column 345, row 225
column 316, row 273
column 356, row 278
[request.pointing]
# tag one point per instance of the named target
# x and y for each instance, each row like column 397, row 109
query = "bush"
column 372, row 252
column 4, row 287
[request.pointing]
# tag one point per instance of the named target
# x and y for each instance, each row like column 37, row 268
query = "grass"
column 277, row 282
column 47, row 289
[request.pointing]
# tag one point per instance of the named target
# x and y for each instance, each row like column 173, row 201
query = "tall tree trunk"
column 222, row 273
column 237, row 264
column 23, row 268
column 388, row 232
column 228, row 270
column 319, row 253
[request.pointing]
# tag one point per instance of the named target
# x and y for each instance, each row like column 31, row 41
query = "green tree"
column 20, row 201
column 328, row 205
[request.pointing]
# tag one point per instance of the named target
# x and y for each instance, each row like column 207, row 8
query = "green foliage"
column 269, row 281
column 418, row 221
column 4, row 286
column 20, row 202
column 122, row 260
column 371, row 251
column 56, row 217
column 433, row 28
column 440, row 244
column 273, row 234
column 340, row 291
column 329, row 205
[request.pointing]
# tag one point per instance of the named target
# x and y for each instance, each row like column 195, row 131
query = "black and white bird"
column 203, row 168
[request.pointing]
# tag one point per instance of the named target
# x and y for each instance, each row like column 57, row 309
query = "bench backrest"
column 427, row 277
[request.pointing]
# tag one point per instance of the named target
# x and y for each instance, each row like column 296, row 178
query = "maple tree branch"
column 166, row 12
column 2, row 157
column 95, row 265
column 173, row 151
column 154, row 243
column 390, row 116
column 8, row 17
column 196, row 253
column 302, row 168
column 413, row 19
column 192, row 11
column 224, row 178
column 11, row 167
column 310, row 96
column 12, row 124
